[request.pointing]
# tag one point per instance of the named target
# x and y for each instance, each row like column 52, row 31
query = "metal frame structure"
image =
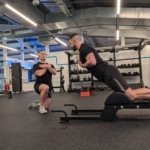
column 113, row 103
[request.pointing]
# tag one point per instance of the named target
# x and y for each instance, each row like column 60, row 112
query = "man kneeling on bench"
column 90, row 59
column 43, row 72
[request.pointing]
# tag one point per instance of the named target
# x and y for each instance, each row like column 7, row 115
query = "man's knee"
column 44, row 88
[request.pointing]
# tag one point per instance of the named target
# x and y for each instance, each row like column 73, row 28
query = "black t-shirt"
column 46, row 78
column 98, row 68
column 85, row 50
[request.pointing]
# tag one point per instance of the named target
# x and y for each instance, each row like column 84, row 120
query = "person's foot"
column 47, row 109
column 42, row 110
column 130, row 94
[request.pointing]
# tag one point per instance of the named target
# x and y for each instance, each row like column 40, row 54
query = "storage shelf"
column 82, row 81
column 126, row 67
column 126, row 59
column 131, row 75
column 80, row 73
column 109, row 60
column 117, row 61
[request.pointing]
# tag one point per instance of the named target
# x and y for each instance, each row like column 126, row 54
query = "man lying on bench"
column 90, row 59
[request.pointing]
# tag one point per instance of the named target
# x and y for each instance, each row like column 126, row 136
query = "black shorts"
column 36, row 88
column 111, row 76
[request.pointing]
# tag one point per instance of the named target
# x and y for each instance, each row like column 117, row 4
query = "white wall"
column 28, row 86
column 62, row 60
column 146, row 65
column 24, row 75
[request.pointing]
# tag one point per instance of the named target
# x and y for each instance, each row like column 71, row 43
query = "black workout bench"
column 113, row 103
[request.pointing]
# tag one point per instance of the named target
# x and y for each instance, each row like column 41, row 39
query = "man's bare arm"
column 90, row 61
column 51, row 70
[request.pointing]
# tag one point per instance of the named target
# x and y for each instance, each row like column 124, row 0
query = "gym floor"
column 24, row 129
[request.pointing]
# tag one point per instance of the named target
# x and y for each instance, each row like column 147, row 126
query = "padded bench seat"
column 118, row 98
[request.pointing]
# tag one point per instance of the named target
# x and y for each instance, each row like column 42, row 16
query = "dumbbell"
column 129, row 73
column 85, row 78
column 124, row 74
column 133, row 65
column 84, row 88
column 80, row 71
column 137, row 64
column 84, row 71
column 136, row 73
column 78, row 78
column 128, row 65
column 89, row 78
column 72, row 62
column 118, row 66
column 62, row 77
column 75, row 71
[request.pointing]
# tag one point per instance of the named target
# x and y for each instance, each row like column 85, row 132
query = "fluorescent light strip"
column 34, row 55
column 9, row 48
column 117, row 35
column 57, row 39
column 118, row 7
column 20, row 14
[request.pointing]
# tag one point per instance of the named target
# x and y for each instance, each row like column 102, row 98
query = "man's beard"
column 43, row 59
column 74, row 48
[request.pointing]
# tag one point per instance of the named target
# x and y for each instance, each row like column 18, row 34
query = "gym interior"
column 85, row 114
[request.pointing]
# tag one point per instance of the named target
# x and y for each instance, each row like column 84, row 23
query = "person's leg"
column 116, row 81
column 138, row 94
column 43, row 90
column 143, row 90
column 48, row 100
column 47, row 103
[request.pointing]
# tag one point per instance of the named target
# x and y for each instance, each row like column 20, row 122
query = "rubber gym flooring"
column 23, row 129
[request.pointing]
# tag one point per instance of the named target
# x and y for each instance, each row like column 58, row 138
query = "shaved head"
column 75, row 41
column 77, row 37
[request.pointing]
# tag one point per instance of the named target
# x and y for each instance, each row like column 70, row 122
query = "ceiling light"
column 117, row 35
column 58, row 25
column 34, row 55
column 57, row 39
column 118, row 7
column 9, row 48
column 20, row 14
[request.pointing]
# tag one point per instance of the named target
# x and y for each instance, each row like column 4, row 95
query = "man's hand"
column 48, row 67
column 51, row 69
column 80, row 63
column 43, row 66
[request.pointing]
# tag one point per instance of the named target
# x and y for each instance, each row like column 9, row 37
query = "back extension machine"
column 113, row 103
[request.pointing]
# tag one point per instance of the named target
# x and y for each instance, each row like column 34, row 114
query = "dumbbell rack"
column 77, row 74
column 138, row 48
column 61, row 86
column 126, row 66
column 131, row 66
